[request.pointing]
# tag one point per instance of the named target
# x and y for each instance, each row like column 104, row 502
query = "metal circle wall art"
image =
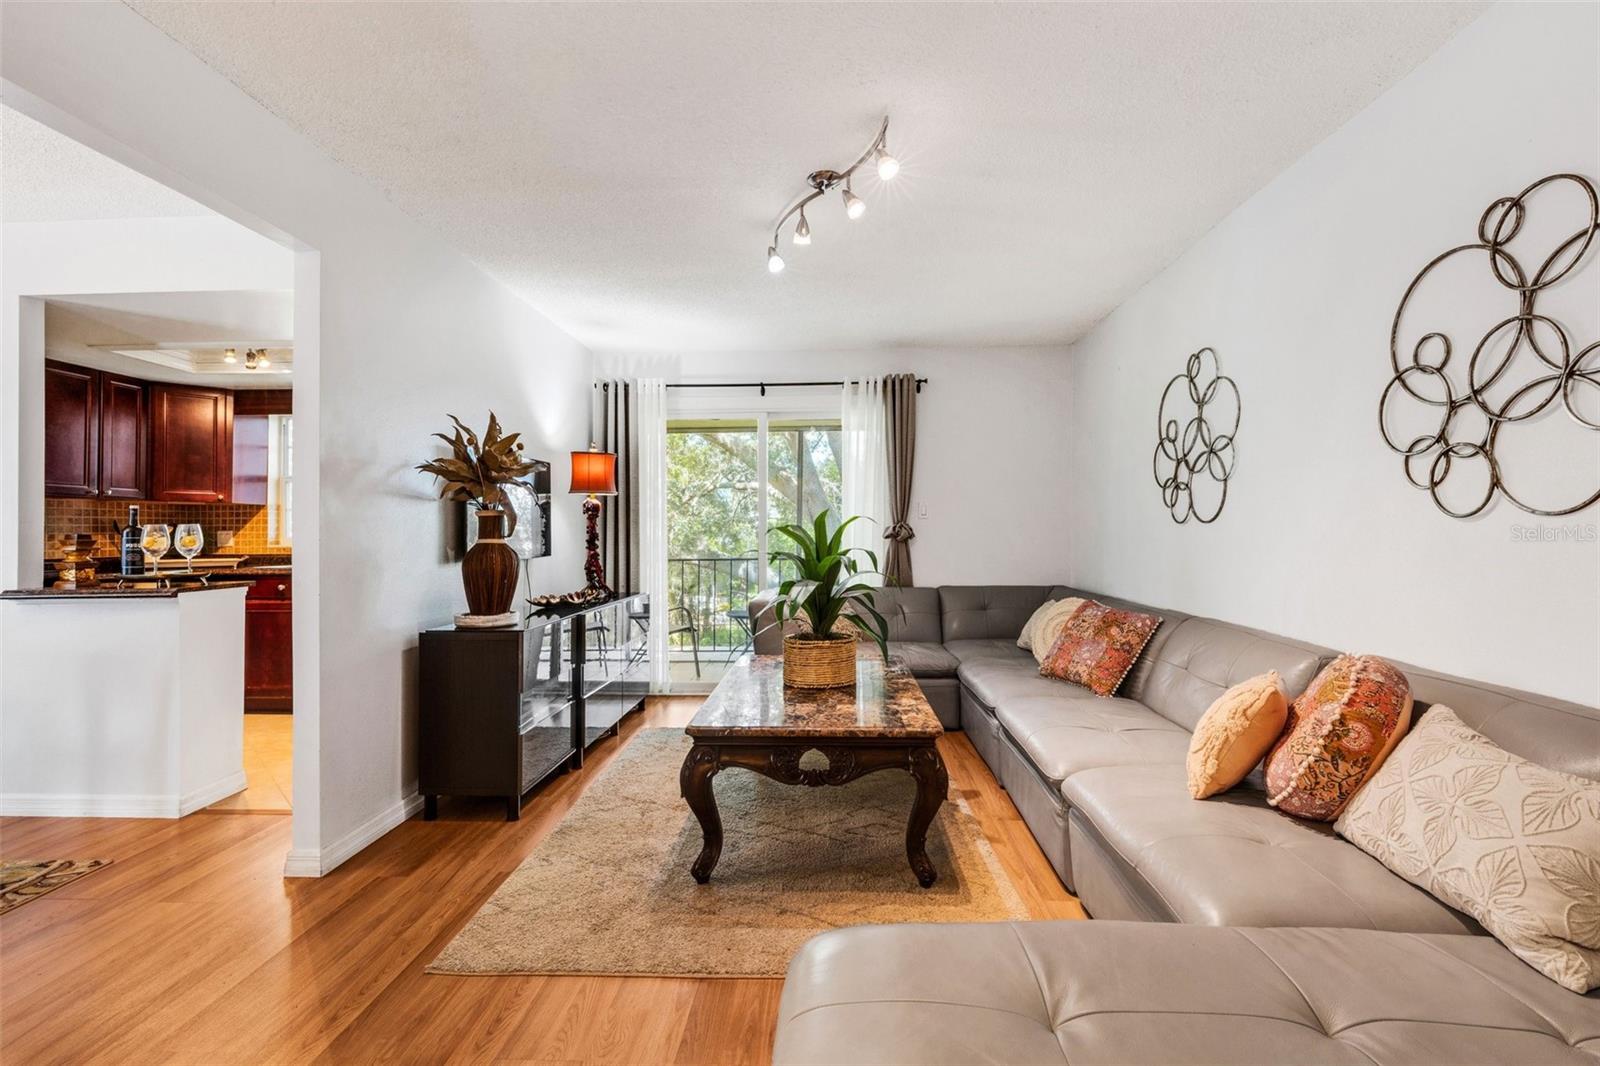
column 1552, row 369
column 1202, row 450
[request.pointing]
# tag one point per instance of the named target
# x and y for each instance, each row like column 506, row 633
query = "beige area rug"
column 22, row 880
column 609, row 891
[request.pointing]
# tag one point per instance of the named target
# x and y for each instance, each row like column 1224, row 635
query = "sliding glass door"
column 732, row 478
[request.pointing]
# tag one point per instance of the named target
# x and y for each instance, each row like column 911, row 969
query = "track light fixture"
column 824, row 181
column 229, row 355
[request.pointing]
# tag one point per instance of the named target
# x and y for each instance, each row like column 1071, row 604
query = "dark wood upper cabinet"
column 263, row 402
column 191, row 433
column 71, row 430
column 124, row 438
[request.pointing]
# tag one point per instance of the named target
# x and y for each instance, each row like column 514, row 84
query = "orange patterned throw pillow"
column 1339, row 731
column 1098, row 646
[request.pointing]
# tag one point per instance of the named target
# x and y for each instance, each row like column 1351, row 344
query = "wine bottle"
column 133, row 544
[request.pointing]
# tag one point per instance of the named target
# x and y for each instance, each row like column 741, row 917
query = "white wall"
column 102, row 256
column 392, row 330
column 1322, row 538
column 989, row 437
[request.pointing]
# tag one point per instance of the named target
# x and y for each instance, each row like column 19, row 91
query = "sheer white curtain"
column 866, row 465
column 652, row 464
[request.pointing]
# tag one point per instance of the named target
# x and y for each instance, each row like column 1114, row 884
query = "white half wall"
column 990, row 434
column 392, row 330
column 1322, row 538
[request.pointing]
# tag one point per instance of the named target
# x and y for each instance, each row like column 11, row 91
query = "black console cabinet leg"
column 513, row 808
column 430, row 808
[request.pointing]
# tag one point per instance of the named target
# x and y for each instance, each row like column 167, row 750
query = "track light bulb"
column 250, row 359
column 888, row 165
column 774, row 260
column 802, row 230
column 854, row 206
column 264, row 362
column 230, row 356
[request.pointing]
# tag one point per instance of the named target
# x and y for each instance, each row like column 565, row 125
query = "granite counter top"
column 109, row 593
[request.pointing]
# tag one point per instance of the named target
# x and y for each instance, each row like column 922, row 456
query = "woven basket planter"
column 812, row 663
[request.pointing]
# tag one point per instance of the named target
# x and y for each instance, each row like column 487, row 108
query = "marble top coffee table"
column 815, row 737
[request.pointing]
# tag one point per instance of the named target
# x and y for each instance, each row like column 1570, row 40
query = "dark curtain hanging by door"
column 900, row 402
column 616, row 431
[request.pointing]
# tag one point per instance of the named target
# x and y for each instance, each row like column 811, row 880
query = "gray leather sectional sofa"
column 1227, row 932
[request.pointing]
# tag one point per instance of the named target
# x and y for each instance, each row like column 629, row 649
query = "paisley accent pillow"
column 1048, row 629
column 1339, row 731
column 1515, row 845
column 1098, row 645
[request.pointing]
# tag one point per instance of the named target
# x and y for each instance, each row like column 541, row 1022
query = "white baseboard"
column 79, row 805
column 129, row 805
column 309, row 863
column 217, row 790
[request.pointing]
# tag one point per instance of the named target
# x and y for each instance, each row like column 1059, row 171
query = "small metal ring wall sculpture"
column 1553, row 370
column 1197, row 451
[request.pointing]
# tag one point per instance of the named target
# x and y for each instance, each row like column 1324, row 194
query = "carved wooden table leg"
column 933, row 783
column 694, row 782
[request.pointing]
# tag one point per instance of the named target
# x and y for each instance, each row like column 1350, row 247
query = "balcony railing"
column 714, row 590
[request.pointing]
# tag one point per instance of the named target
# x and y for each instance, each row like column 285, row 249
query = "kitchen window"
column 280, row 479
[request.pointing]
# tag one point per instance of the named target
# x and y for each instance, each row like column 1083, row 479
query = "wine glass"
column 191, row 539
column 157, row 541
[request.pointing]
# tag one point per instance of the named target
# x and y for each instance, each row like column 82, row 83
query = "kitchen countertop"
column 106, row 593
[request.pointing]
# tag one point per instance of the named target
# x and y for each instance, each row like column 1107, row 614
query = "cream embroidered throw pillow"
column 1513, row 844
column 1048, row 628
column 1025, row 640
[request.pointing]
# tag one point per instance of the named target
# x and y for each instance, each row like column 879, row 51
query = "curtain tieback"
column 900, row 532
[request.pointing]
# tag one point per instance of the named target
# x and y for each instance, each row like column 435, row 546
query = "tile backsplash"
column 248, row 522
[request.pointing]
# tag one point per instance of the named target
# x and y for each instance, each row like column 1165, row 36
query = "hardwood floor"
column 192, row 948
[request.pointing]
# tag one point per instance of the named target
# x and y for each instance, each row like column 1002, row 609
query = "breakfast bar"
column 141, row 712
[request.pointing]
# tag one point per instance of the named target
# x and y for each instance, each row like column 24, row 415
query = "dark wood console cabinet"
column 500, row 710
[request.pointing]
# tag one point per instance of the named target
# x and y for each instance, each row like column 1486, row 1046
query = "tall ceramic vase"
column 489, row 571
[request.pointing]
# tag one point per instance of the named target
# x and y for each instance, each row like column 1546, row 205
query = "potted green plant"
column 830, row 595
column 476, row 472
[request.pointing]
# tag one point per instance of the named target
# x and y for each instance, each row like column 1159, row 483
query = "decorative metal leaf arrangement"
column 829, row 592
column 1197, row 450
column 477, row 469
column 1470, row 420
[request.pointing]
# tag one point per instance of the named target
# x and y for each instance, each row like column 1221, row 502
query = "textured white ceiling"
column 622, row 165
column 46, row 176
column 86, row 329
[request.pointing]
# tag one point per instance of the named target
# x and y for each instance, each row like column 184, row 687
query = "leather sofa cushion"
column 924, row 658
column 1232, row 860
column 980, row 612
column 999, row 675
column 912, row 613
column 1063, row 734
column 1201, row 659
column 1136, row 992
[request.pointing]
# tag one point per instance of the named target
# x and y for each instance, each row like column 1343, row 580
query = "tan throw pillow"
column 1235, row 734
column 1513, row 844
column 1025, row 639
column 1048, row 629
column 1340, row 730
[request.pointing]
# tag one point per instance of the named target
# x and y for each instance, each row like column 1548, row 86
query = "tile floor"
column 268, row 765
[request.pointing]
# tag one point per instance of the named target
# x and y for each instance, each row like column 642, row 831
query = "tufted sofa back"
column 1554, row 733
column 988, row 612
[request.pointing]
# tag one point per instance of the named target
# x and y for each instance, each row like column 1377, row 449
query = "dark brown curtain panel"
column 900, row 400
column 619, row 516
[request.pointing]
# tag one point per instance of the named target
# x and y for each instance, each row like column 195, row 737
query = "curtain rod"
column 765, row 385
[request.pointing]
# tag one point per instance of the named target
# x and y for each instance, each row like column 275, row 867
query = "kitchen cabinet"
column 269, row 645
column 191, row 433
column 71, row 430
column 124, row 438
